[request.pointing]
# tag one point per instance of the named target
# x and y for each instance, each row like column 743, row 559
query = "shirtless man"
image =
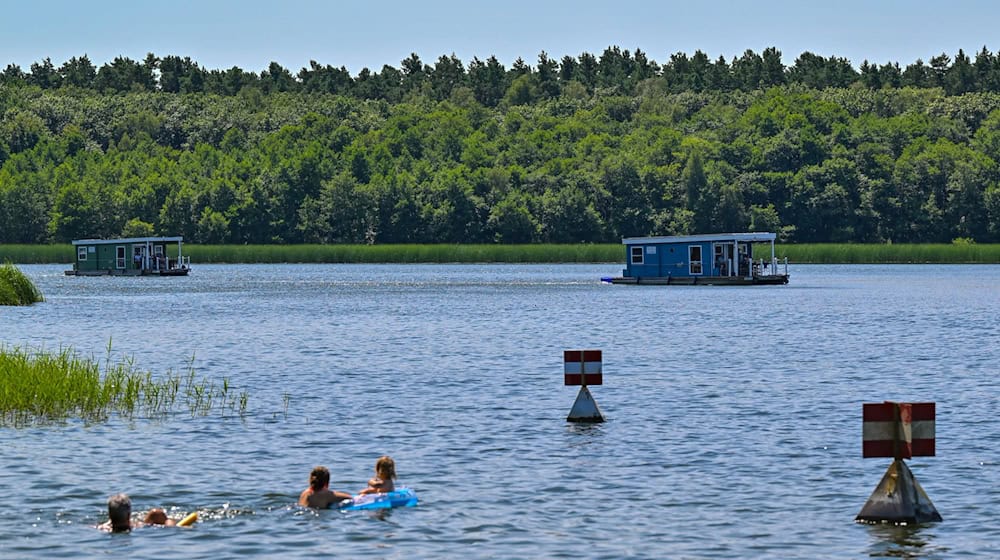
column 319, row 495
column 119, row 515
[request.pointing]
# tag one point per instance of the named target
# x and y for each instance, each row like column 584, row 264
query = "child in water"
column 385, row 474
column 157, row 516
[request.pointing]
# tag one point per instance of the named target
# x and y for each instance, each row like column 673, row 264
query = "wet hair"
column 156, row 516
column 385, row 467
column 319, row 477
column 120, row 512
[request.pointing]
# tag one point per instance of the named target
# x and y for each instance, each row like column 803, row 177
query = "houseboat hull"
column 171, row 272
column 700, row 280
column 174, row 272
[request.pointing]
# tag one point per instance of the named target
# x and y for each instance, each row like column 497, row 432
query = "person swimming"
column 385, row 475
column 157, row 516
column 119, row 515
column 319, row 495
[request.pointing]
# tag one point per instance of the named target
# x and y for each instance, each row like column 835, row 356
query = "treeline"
column 618, row 70
column 587, row 149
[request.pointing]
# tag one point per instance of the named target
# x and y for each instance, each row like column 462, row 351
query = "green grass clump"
column 16, row 288
column 40, row 387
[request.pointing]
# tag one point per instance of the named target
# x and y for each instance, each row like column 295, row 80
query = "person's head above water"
column 156, row 516
column 385, row 468
column 319, row 478
column 120, row 513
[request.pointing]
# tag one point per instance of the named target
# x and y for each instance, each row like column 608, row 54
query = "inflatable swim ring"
column 403, row 497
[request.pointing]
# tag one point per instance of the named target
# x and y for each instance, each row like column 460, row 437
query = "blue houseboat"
column 717, row 259
column 132, row 256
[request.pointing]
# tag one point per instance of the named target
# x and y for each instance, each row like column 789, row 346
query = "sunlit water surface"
column 734, row 413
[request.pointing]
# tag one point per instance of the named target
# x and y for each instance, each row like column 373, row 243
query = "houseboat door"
column 120, row 257
column 139, row 256
column 158, row 257
column 694, row 259
column 744, row 260
column 723, row 258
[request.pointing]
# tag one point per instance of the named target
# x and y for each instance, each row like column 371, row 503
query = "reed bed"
column 844, row 253
column 37, row 254
column 820, row 253
column 16, row 288
column 405, row 253
column 42, row 387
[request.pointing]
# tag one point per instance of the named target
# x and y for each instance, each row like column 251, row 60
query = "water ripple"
column 733, row 414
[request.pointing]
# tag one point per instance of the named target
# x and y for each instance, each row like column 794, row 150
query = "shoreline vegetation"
column 16, row 288
column 576, row 149
column 958, row 252
column 40, row 387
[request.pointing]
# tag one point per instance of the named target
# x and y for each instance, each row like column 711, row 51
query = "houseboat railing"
column 760, row 267
column 158, row 263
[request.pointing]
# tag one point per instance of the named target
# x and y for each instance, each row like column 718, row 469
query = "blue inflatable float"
column 403, row 497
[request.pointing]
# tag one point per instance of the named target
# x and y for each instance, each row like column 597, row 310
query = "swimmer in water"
column 319, row 495
column 119, row 515
column 385, row 474
column 157, row 516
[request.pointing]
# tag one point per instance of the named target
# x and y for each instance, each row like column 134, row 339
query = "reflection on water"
column 904, row 541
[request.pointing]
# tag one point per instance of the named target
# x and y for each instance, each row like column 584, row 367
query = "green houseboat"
column 133, row 256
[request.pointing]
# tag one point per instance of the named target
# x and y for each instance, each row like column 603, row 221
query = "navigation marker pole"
column 900, row 431
column 583, row 367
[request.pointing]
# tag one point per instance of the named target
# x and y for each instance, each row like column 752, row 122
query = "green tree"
column 44, row 75
column 448, row 74
column 547, row 77
column 512, row 221
column 137, row 228
column 488, row 80
column 520, row 92
column 79, row 72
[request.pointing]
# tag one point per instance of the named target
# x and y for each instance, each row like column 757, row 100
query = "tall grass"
column 844, row 253
column 37, row 254
column 826, row 253
column 40, row 387
column 405, row 253
column 16, row 288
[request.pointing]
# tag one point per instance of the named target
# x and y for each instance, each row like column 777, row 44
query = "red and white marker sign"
column 898, row 430
column 582, row 367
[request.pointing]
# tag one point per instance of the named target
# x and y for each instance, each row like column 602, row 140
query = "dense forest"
column 578, row 149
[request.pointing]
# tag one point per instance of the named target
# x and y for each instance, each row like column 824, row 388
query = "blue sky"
column 251, row 33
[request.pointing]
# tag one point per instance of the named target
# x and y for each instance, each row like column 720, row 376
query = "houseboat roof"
column 756, row 237
column 121, row 240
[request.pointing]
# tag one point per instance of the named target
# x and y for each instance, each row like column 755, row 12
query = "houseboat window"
column 694, row 256
column 81, row 253
column 636, row 255
column 157, row 250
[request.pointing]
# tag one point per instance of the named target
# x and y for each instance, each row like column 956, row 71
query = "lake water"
column 734, row 413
